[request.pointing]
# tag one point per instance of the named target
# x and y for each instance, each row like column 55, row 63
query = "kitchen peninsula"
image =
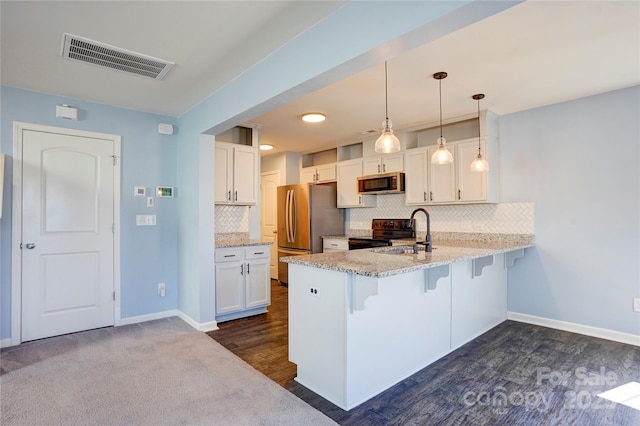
column 360, row 321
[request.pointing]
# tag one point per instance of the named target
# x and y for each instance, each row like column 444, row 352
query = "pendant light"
column 479, row 164
column 387, row 142
column 442, row 154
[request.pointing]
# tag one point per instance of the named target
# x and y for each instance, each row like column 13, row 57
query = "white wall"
column 578, row 163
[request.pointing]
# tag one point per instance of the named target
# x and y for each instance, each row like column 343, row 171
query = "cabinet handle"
column 384, row 168
column 258, row 252
column 229, row 196
column 359, row 199
column 242, row 269
column 378, row 168
column 424, row 196
column 248, row 269
column 459, row 194
column 335, row 245
column 317, row 177
column 229, row 255
column 236, row 198
column 430, row 195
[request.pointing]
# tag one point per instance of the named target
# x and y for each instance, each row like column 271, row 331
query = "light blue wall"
column 148, row 254
column 578, row 162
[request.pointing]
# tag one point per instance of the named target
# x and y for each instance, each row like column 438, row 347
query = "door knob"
column 30, row 246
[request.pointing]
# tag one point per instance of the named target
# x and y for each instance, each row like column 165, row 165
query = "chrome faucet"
column 427, row 243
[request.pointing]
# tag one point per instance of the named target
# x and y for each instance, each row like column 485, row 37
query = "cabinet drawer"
column 229, row 255
column 335, row 244
column 257, row 252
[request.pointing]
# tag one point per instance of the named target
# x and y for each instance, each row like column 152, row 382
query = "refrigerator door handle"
column 286, row 217
column 289, row 216
column 294, row 216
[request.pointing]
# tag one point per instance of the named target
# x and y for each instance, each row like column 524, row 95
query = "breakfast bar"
column 360, row 321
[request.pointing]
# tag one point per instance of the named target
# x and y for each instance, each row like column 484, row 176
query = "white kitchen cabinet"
column 383, row 164
column 427, row 183
column 442, row 180
column 348, row 174
column 472, row 186
column 236, row 171
column 334, row 244
column 455, row 183
column 243, row 285
column 318, row 174
column 415, row 180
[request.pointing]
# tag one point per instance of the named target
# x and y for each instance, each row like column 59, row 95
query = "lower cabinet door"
column 229, row 287
column 258, row 283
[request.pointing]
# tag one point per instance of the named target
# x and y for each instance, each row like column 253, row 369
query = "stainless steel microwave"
column 387, row 183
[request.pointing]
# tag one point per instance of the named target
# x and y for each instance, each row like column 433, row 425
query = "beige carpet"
column 157, row 373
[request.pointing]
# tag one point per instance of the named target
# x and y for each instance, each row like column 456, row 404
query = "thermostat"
column 164, row 191
column 139, row 191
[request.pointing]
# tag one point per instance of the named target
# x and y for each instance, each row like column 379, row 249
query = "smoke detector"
column 104, row 55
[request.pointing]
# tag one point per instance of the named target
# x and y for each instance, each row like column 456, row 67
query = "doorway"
column 65, row 231
column 269, row 182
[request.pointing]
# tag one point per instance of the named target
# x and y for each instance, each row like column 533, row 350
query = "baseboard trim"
column 602, row 333
column 148, row 317
column 5, row 343
column 200, row 326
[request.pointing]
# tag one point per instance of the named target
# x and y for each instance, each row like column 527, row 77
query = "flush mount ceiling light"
column 479, row 164
column 387, row 142
column 442, row 154
column 266, row 147
column 314, row 117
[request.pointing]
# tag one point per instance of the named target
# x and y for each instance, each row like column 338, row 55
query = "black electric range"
column 383, row 231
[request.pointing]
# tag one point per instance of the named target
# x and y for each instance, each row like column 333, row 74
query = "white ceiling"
column 533, row 54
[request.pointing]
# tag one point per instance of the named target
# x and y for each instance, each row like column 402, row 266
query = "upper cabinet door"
column 223, row 173
column 393, row 163
column 348, row 174
column 245, row 168
column 442, row 180
column 472, row 186
column 415, row 185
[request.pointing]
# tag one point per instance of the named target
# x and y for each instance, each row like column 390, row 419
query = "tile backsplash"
column 231, row 219
column 505, row 218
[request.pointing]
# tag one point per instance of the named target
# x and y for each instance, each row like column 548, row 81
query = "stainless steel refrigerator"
column 306, row 212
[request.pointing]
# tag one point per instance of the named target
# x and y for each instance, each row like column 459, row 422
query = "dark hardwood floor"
column 515, row 374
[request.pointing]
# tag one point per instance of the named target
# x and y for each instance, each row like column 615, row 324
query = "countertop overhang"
column 376, row 263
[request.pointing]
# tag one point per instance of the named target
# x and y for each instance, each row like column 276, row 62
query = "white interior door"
column 268, row 216
column 67, row 233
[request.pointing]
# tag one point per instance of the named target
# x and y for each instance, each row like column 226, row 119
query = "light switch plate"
column 145, row 220
column 150, row 202
column 139, row 191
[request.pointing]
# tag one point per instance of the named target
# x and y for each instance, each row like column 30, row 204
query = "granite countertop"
column 236, row 239
column 378, row 264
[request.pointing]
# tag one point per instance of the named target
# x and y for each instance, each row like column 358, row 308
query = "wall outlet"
column 161, row 289
column 636, row 304
column 313, row 291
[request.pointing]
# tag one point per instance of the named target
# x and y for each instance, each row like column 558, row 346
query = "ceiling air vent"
column 85, row 50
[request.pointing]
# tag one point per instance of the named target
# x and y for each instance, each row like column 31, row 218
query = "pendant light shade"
column 387, row 142
column 442, row 154
column 479, row 164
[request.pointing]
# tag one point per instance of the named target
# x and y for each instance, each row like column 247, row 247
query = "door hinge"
column 114, row 295
column 20, row 246
column 115, row 159
column 113, row 228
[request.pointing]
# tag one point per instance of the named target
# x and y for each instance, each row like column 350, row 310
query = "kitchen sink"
column 398, row 250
